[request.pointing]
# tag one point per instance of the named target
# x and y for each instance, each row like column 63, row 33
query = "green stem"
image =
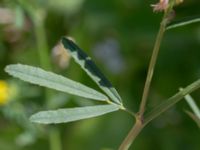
column 139, row 125
column 42, row 45
column 166, row 104
column 152, row 65
column 54, row 139
column 38, row 22
column 129, row 112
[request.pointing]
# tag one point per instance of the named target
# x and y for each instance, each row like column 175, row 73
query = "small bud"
column 164, row 4
column 161, row 6
column 61, row 57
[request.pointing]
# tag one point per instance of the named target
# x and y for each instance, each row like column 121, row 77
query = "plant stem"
column 42, row 45
column 166, row 104
column 54, row 139
column 130, row 112
column 139, row 125
column 131, row 135
column 37, row 18
column 152, row 65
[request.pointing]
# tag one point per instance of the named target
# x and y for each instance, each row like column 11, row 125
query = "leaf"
column 51, row 80
column 171, row 102
column 91, row 69
column 193, row 105
column 183, row 22
column 72, row 114
column 195, row 109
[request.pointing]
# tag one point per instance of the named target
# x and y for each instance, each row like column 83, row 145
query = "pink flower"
column 162, row 5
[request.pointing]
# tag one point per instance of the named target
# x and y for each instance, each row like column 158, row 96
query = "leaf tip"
column 68, row 43
column 36, row 118
column 6, row 69
column 32, row 118
column 10, row 68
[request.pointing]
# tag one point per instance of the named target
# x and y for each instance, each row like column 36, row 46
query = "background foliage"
column 119, row 36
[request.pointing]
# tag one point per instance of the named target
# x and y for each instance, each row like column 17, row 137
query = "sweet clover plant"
column 109, row 98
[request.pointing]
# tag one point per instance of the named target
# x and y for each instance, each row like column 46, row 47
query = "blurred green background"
column 119, row 35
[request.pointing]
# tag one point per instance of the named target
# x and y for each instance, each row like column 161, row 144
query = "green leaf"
column 195, row 109
column 91, row 69
column 183, row 22
column 72, row 114
column 193, row 105
column 51, row 80
column 171, row 102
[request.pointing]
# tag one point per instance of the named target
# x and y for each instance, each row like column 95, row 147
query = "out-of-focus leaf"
column 72, row 114
column 67, row 6
column 51, row 80
column 194, row 117
column 183, row 22
column 171, row 101
column 19, row 17
column 91, row 69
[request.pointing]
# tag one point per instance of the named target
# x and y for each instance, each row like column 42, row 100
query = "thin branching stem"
column 139, row 125
column 152, row 66
column 130, row 112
